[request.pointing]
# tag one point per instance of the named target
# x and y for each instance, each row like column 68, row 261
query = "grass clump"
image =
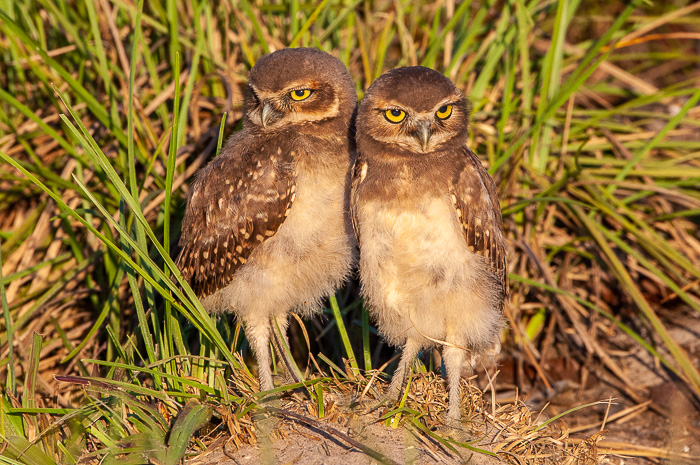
column 585, row 113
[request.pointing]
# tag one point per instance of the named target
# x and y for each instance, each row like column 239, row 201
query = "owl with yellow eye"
column 428, row 222
column 266, row 229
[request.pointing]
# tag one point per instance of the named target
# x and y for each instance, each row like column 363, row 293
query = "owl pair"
column 267, row 229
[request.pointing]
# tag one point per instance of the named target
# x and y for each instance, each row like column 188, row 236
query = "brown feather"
column 475, row 200
column 236, row 203
column 426, row 277
column 357, row 178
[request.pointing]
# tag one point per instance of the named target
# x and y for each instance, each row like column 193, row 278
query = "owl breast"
column 308, row 258
column 416, row 264
column 316, row 221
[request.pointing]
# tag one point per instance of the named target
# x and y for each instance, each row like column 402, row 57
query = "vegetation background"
column 585, row 113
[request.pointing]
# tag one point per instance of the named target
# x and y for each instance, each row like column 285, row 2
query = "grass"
column 585, row 113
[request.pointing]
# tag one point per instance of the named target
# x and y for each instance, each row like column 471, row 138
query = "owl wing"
column 475, row 200
column 236, row 203
column 359, row 170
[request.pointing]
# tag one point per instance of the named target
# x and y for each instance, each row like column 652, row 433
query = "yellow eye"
column 444, row 112
column 300, row 94
column 395, row 115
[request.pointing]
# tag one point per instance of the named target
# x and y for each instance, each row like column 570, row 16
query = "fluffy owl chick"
column 428, row 222
column 266, row 229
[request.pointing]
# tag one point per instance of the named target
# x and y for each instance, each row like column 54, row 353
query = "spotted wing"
column 475, row 200
column 236, row 202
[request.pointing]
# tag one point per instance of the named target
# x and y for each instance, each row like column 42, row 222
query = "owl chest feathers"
column 405, row 214
column 310, row 169
column 316, row 215
column 321, row 170
column 418, row 272
column 421, row 242
column 311, row 252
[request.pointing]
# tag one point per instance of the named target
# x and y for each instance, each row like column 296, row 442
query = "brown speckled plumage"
column 236, row 203
column 480, row 215
column 266, row 229
column 428, row 222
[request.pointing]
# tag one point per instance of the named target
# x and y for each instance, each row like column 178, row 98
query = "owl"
column 428, row 222
column 266, row 229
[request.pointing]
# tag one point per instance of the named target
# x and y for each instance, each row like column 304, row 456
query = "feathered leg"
column 258, row 334
column 410, row 350
column 454, row 359
column 277, row 326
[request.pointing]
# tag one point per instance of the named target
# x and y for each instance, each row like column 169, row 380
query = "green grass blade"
column 690, row 103
column 366, row 351
column 307, row 24
column 11, row 381
column 343, row 333
column 98, row 110
column 687, row 366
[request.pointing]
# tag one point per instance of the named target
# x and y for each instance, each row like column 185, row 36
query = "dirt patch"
column 650, row 418
column 354, row 432
column 311, row 446
column 641, row 424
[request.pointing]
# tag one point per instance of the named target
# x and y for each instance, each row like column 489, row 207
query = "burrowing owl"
column 428, row 222
column 266, row 229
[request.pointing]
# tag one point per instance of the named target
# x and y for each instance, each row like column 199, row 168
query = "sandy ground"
column 668, row 419
column 310, row 446
column 353, row 433
column 665, row 417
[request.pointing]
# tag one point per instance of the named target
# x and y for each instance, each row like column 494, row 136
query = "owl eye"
column 395, row 115
column 444, row 112
column 300, row 94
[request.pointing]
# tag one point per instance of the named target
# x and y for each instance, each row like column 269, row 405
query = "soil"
column 662, row 416
column 311, row 446
column 644, row 422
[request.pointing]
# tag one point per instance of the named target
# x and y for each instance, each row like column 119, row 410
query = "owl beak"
column 423, row 134
column 269, row 115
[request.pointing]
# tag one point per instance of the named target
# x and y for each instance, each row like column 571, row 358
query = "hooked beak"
column 423, row 133
column 269, row 115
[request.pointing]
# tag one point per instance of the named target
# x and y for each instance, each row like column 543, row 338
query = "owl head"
column 293, row 87
column 414, row 111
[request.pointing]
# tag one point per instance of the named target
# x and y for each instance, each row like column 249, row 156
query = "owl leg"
column 259, row 338
column 280, row 342
column 410, row 350
column 454, row 358
column 494, row 350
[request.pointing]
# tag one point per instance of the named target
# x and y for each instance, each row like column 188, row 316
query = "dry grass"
column 593, row 143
